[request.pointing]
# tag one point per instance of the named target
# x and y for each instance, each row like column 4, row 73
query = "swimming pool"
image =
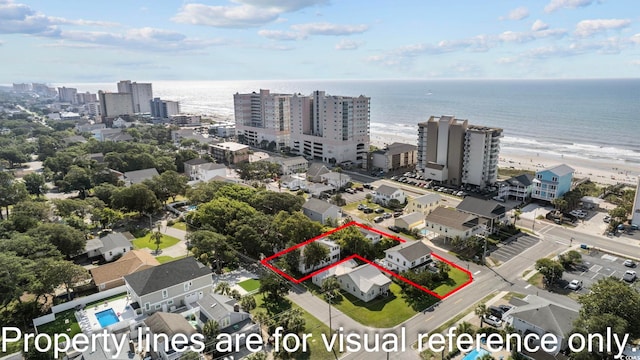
column 475, row 354
column 107, row 317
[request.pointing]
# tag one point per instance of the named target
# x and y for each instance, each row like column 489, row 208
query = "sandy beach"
column 598, row 171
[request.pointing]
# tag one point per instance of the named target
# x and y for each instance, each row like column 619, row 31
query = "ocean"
column 591, row 119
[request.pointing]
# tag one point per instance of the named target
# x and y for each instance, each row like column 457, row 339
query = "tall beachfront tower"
column 141, row 95
column 333, row 129
column 635, row 216
column 455, row 153
column 263, row 119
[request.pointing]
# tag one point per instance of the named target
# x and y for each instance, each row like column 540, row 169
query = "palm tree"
column 223, row 288
column 156, row 236
column 235, row 294
column 330, row 287
column 262, row 318
column 464, row 328
column 210, row 330
column 516, row 215
column 481, row 311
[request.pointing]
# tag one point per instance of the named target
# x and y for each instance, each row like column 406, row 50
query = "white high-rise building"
column 141, row 95
column 331, row 129
column 66, row 94
column 635, row 216
column 455, row 153
column 115, row 104
column 263, row 119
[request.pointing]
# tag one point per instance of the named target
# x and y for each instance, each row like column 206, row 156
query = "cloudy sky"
column 104, row 41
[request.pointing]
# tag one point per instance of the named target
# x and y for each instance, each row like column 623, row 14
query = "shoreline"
column 600, row 171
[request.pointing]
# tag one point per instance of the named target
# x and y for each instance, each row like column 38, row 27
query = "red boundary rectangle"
column 266, row 261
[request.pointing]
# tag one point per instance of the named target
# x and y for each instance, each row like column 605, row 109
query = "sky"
column 104, row 41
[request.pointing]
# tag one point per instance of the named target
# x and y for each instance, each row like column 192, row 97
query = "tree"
column 69, row 274
column 248, row 303
column 136, row 197
column 481, row 311
column 559, row 203
column 76, row 179
column 14, row 277
column 210, row 247
column 223, row 288
column 222, row 215
column 105, row 192
column 619, row 213
column 394, row 204
column 330, row 288
column 26, row 215
column 274, row 287
column 516, row 215
column 11, row 191
column 210, row 330
column 68, row 240
column 270, row 202
column 464, row 328
column 296, row 227
column 13, row 155
column 314, row 254
column 167, row 185
column 35, row 184
column 338, row 200
column 551, row 270
column 235, row 294
column 106, row 216
column 570, row 259
column 156, row 236
column 257, row 356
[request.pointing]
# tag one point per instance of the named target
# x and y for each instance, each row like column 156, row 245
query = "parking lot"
column 596, row 266
column 514, row 248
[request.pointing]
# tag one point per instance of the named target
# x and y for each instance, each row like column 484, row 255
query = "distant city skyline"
column 79, row 41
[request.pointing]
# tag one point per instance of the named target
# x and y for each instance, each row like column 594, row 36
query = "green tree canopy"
column 551, row 270
column 68, row 240
column 136, row 197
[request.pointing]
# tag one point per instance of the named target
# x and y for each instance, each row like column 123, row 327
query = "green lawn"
column 381, row 312
column 146, row 242
column 250, row 284
column 457, row 277
column 180, row 226
column 165, row 258
column 58, row 326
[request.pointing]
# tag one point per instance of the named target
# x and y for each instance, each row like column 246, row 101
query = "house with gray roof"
column 138, row 176
column 366, row 282
column 517, row 187
column 552, row 183
column 202, row 170
column 170, row 285
column 491, row 211
column 395, row 156
column 451, row 223
column 315, row 171
column 386, row 193
column 423, row 204
column 406, row 256
column 413, row 220
column 224, row 310
column 320, row 210
column 534, row 314
column 289, row 165
column 170, row 325
column 110, row 246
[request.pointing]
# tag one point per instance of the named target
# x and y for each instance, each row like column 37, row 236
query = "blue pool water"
column 191, row 208
column 475, row 354
column 107, row 317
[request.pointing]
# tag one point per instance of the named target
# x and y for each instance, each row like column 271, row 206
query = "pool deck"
column 89, row 321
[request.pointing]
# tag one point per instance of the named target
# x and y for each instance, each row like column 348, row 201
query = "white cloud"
column 539, row 25
column 566, row 4
column 635, row 62
column 590, row 27
column 281, row 35
column 284, row 5
column 348, row 44
column 518, row 13
column 506, row 60
column 635, row 39
column 329, row 29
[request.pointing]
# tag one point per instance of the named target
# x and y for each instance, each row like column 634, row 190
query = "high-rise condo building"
column 164, row 109
column 115, row 104
column 66, row 94
column 332, row 129
column 141, row 95
column 455, row 153
column 263, row 119
column 635, row 216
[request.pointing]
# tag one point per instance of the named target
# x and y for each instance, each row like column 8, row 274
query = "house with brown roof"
column 111, row 275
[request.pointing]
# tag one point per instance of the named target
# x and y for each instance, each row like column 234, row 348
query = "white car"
column 492, row 320
column 629, row 276
column 575, row 285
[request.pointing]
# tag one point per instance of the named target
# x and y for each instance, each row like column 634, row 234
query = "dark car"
column 393, row 228
column 379, row 210
column 367, row 186
column 378, row 219
column 496, row 311
column 397, row 214
column 367, row 210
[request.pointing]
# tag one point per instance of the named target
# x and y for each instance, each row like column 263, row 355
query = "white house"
column 366, row 282
column 337, row 180
column 414, row 220
column 423, row 204
column 293, row 182
column 109, row 247
column 201, row 170
column 451, row 223
column 373, row 237
column 320, row 210
column 408, row 255
column 386, row 193
column 337, row 270
column 332, row 257
column 222, row 309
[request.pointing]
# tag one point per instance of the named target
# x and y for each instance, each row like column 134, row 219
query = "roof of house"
column 216, row 306
column 335, row 176
column 166, row 275
column 115, row 240
column 560, row 170
column 411, row 218
column 452, row 218
column 92, row 244
column 427, row 199
column 132, row 261
column 231, row 146
column 196, row 161
column 74, row 139
column 169, row 323
column 411, row 250
column 386, row 190
column 139, row 176
column 317, row 169
column 484, row 208
column 520, row 180
column 546, row 314
column 400, row 148
column 367, row 232
column 366, row 276
column 212, row 166
column 317, row 205
column 337, row 270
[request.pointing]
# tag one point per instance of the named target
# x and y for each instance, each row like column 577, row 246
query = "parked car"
column 362, row 206
column 505, row 307
column 575, row 284
column 629, row 276
column 379, row 210
column 367, row 210
column 397, row 214
column 387, row 215
column 496, row 311
column 492, row 320
column 607, row 219
column 367, row 186
column 629, row 263
column 393, row 228
column 378, row 219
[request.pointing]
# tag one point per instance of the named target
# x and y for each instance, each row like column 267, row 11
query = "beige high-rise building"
column 455, row 153
column 141, row 95
column 263, row 119
column 115, row 104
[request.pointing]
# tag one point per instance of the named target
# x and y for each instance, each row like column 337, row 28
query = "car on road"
column 387, row 215
column 629, row 263
column 393, row 228
column 379, row 210
column 629, row 276
column 492, row 320
column 575, row 284
column 378, row 219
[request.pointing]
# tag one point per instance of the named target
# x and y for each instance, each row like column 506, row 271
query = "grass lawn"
column 146, row 242
column 58, row 326
column 457, row 277
column 536, row 280
column 165, row 258
column 250, row 284
column 180, row 226
column 382, row 312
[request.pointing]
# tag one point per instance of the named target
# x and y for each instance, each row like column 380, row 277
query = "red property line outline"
column 266, row 263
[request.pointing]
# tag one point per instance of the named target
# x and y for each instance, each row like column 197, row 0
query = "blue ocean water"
column 596, row 119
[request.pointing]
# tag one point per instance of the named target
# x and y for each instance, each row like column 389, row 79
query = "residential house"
column 395, row 156
column 111, row 275
column 90, row 127
column 408, row 255
column 386, row 193
column 106, row 348
column 491, row 211
column 414, row 220
column 109, row 247
column 423, row 204
column 293, row 182
column 170, row 285
column 552, row 183
column 534, row 314
column 518, row 187
column 170, row 325
column 336, row 270
column 203, row 170
column 315, row 171
column 451, row 223
column 111, row 135
column 332, row 257
column 229, row 152
column 321, row 211
column 75, row 139
column 225, row 311
column 121, row 123
column 366, row 282
column 335, row 179
column 290, row 165
column 138, row 176
column 372, row 236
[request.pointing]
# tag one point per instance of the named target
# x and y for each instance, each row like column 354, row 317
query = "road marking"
column 594, row 276
column 477, row 272
column 595, row 268
column 528, row 286
column 613, row 272
column 429, row 318
column 561, row 242
column 609, row 257
column 457, row 301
